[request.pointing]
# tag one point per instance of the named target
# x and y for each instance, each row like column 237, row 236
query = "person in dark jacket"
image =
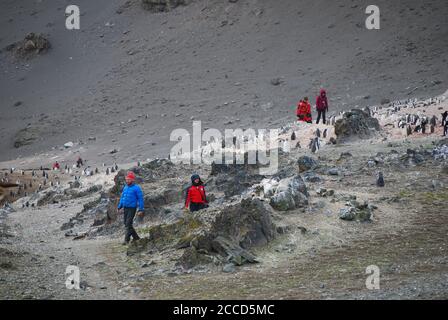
column 321, row 105
column 131, row 199
column 196, row 198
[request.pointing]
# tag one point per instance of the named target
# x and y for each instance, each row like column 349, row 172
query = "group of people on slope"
column 304, row 108
column 132, row 202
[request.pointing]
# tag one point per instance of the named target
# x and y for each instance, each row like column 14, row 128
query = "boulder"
column 355, row 124
column 307, row 163
column 290, row 194
column 32, row 45
column 356, row 211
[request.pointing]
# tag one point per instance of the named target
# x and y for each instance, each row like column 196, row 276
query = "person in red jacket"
column 304, row 111
column 56, row 166
column 321, row 105
column 196, row 199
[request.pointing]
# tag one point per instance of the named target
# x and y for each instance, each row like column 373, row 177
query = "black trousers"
column 319, row 114
column 196, row 206
column 129, row 214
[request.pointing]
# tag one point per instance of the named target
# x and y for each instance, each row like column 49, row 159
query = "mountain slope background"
column 130, row 77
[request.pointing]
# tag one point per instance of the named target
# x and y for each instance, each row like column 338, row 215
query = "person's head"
column 195, row 179
column 305, row 99
column 130, row 178
column 323, row 93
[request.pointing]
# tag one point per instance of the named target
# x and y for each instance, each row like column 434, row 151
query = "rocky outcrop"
column 26, row 136
column 234, row 179
column 355, row 124
column 290, row 193
column 354, row 210
column 307, row 163
column 162, row 5
column 220, row 236
column 33, row 44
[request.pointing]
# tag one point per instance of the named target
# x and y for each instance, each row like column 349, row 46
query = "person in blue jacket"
column 131, row 199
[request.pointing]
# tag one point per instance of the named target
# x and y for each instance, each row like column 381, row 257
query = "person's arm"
column 140, row 200
column 187, row 198
column 205, row 197
column 120, row 203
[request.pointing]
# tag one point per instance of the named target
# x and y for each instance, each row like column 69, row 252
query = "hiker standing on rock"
column 304, row 111
column 321, row 106
column 196, row 198
column 131, row 199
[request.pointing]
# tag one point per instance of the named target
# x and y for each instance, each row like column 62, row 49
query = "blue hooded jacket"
column 131, row 197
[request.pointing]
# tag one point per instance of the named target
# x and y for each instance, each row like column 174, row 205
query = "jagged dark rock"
column 355, row 124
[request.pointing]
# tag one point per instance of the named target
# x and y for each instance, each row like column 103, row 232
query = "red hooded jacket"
column 321, row 101
column 195, row 194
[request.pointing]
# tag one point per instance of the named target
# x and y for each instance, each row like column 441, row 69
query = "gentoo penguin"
column 324, row 134
column 318, row 133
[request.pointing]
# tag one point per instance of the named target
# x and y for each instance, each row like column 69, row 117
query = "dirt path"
column 37, row 254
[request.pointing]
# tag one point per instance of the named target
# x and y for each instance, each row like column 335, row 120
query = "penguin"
column 293, row 136
column 433, row 121
column 318, row 133
column 324, row 134
column 27, row 204
column 31, row 184
column 107, row 171
column 380, row 180
column 116, row 167
column 112, row 170
column 139, row 164
column 33, row 173
column 96, row 170
column 43, row 174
